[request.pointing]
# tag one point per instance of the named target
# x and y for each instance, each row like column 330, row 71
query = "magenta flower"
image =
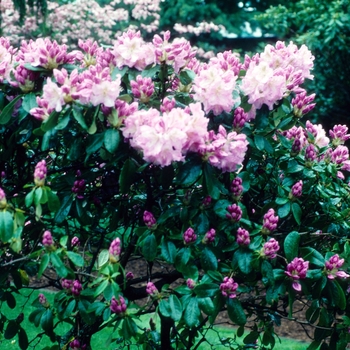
column 3, row 201
column 228, row 287
column 76, row 288
column 129, row 275
column 118, row 306
column 310, row 153
column 75, row 344
column 47, row 239
column 270, row 249
column 270, row 222
column 151, row 289
column 167, row 105
column 297, row 270
column 114, row 250
column 206, row 201
column 332, row 266
column 190, row 283
column 239, row 118
column 339, row 134
column 79, row 187
column 75, row 241
column 236, row 187
column 209, row 236
column 297, row 189
column 149, row 220
column 189, row 236
column 142, row 88
column 40, row 173
column 243, row 237
column 43, row 300
column 66, row 284
column 302, row 104
column 234, row 212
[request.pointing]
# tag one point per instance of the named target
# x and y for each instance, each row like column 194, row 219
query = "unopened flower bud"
column 40, row 173
column 234, row 212
column 118, row 306
column 75, row 241
column 243, row 237
column 189, row 236
column 270, row 222
column 190, row 283
column 270, row 249
column 297, row 190
column 209, row 236
column 47, row 239
column 114, row 250
column 3, row 201
column 149, row 220
column 236, row 187
column 228, row 287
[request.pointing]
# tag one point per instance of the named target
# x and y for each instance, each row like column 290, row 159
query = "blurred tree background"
column 211, row 25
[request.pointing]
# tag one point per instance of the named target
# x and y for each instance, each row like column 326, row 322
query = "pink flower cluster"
column 74, row 287
column 339, row 134
column 189, row 236
column 47, row 240
column 228, row 287
column 239, row 118
column 149, row 220
column 79, row 187
column 114, row 250
column 270, row 249
column 3, row 201
column 243, row 237
column 236, row 187
column 42, row 300
column 118, row 306
column 151, row 289
column 302, row 103
column 297, row 270
column 297, row 189
column 40, row 173
column 234, row 212
column 75, row 241
column 75, row 345
column 209, row 236
column 270, row 222
column 190, row 283
column 275, row 73
column 332, row 268
column 142, row 88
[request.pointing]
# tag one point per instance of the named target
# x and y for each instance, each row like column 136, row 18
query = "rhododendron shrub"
column 143, row 185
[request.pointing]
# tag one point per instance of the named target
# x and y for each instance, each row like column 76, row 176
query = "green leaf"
column 127, row 175
column 210, row 182
column 296, row 210
column 291, row 245
column 75, row 258
column 51, row 122
column 94, row 143
column 236, row 312
column 164, row 308
column 313, row 256
column 129, row 328
column 101, row 287
column 53, row 201
column 29, row 102
column 182, row 258
column 63, row 212
column 111, row 140
column 267, row 272
column 103, row 258
column 206, row 305
column 294, row 167
column 187, row 76
column 220, row 208
column 192, row 313
column 204, row 290
column 29, row 198
column 11, row 329
column 244, row 259
column 44, row 262
column 58, row 264
column 70, row 308
column 78, row 116
column 6, row 113
column 259, row 141
column 189, row 172
column 284, row 210
column 6, row 226
column 47, row 321
column 37, row 195
column 338, row 295
column 168, row 250
column 209, row 261
column 149, row 247
column 23, row 339
column 175, row 307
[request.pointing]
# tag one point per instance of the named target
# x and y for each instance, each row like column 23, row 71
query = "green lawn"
column 99, row 339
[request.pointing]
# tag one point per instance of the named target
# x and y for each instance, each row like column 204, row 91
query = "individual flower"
column 209, row 236
column 270, row 249
column 228, row 287
column 339, row 134
column 167, row 105
column 243, row 237
column 319, row 134
column 190, row 283
column 142, row 88
column 297, row 270
column 149, row 220
column 189, row 236
column 3, row 201
column 47, row 239
column 236, row 187
column 151, row 289
column 297, row 190
column 234, row 212
column 118, row 306
column 332, row 268
column 114, row 250
column 40, row 173
column 270, row 222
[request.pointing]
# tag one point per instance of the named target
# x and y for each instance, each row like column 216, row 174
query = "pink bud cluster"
column 319, row 134
column 75, row 242
column 332, row 268
column 167, row 105
column 270, row 249
column 114, row 250
column 297, row 270
column 297, row 189
column 236, row 187
column 239, row 118
column 270, row 222
column 142, row 88
column 151, row 289
column 3, row 201
column 189, row 236
column 209, row 236
column 206, row 201
column 75, row 345
column 228, row 287
column 302, row 104
column 118, row 306
column 79, row 187
column 310, row 153
column 234, row 212
column 243, row 237
column 190, row 283
column 47, row 240
column 40, row 173
column 339, row 134
column 149, row 220
column 73, row 287
column 42, row 299
column 129, row 275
